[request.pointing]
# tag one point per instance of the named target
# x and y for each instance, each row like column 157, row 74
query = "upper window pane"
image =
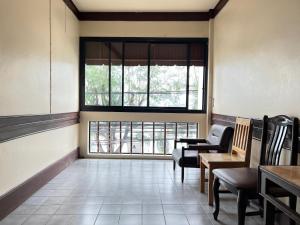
column 135, row 74
column 168, row 75
column 196, row 77
column 97, row 73
column 116, row 73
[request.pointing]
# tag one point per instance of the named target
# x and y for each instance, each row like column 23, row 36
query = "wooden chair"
column 239, row 156
column 218, row 139
column 245, row 182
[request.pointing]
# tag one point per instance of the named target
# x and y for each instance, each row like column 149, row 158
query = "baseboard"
column 11, row 200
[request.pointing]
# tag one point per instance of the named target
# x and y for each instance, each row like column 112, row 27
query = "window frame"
column 150, row 109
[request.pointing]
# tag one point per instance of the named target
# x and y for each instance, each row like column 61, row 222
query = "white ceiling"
column 145, row 5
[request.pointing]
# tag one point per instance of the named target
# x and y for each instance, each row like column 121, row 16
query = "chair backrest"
column 242, row 139
column 220, row 135
column 283, row 129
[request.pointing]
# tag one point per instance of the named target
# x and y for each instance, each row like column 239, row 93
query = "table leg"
column 210, row 187
column 202, row 176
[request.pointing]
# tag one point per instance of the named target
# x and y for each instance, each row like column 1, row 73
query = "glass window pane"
column 159, row 140
column 104, row 137
column 135, row 74
column 116, row 73
column 93, row 137
column 193, row 130
column 97, row 73
column 170, row 137
column 181, row 133
column 196, row 77
column 136, row 137
column 115, row 137
column 148, row 137
column 168, row 75
column 126, row 137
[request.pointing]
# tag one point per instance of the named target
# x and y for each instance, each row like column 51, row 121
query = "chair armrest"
column 190, row 140
column 204, row 147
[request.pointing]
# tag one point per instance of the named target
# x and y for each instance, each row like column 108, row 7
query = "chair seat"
column 190, row 158
column 240, row 178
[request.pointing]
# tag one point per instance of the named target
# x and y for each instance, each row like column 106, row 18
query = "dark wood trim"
column 19, row 194
column 230, row 121
column 12, row 127
column 146, row 16
column 70, row 4
column 218, row 8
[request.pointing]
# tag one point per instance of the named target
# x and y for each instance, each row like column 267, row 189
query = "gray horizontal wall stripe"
column 12, row 127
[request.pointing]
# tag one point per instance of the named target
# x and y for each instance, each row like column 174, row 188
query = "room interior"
column 93, row 95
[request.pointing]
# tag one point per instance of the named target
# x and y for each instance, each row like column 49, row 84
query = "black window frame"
column 147, row 108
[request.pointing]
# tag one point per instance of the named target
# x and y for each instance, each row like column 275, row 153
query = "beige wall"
column 256, row 58
column 24, row 57
column 20, row 159
column 38, row 75
column 64, row 58
column 143, row 29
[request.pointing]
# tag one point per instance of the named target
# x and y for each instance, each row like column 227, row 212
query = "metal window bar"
column 134, row 135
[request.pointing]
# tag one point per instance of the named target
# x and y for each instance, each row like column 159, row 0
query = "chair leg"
column 242, row 202
column 269, row 211
column 174, row 164
column 182, row 174
column 216, row 196
column 293, row 205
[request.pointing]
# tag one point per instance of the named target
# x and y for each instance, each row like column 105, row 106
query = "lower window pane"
column 104, row 137
column 181, row 133
column 148, row 137
column 193, row 130
column 170, row 137
column 136, row 137
column 115, row 137
column 159, row 138
column 94, row 137
column 126, row 137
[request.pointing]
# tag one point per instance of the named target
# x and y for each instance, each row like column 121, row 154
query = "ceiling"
column 145, row 5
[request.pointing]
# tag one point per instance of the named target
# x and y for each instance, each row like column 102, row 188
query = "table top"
column 220, row 157
column 290, row 174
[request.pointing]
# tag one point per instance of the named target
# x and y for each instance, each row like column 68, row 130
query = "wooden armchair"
column 239, row 156
column 218, row 139
column 245, row 182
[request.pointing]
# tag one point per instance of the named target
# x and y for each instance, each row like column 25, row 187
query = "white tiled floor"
column 123, row 192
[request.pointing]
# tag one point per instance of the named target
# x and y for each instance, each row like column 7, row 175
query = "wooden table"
column 286, row 177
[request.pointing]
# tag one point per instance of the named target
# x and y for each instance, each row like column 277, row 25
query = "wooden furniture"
column 239, row 156
column 286, row 177
column 218, row 139
column 244, row 182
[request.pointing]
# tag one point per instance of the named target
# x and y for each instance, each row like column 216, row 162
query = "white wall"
column 38, row 75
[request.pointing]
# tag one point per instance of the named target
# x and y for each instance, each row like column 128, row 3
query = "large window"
column 140, row 74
